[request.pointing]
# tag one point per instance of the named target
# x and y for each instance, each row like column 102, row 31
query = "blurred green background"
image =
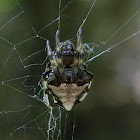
column 111, row 111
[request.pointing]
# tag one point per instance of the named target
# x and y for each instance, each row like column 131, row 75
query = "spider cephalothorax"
column 65, row 76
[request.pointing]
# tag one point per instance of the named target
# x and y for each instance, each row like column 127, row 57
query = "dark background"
column 111, row 111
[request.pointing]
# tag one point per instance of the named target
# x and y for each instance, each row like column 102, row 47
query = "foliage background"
column 112, row 108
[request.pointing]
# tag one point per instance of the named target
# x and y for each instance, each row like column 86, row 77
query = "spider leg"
column 79, row 42
column 90, row 84
column 89, row 73
column 46, row 99
column 83, row 97
column 54, row 60
column 54, row 100
column 57, row 41
column 49, row 51
column 79, row 49
column 50, row 54
column 84, row 94
column 45, row 94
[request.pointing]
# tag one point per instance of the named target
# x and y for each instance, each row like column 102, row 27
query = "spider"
column 65, row 77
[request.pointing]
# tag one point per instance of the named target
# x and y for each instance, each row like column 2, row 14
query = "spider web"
column 23, row 36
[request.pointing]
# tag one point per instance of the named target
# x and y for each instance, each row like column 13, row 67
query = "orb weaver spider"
column 65, row 77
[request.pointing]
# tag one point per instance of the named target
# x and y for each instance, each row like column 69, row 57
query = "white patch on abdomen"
column 68, row 93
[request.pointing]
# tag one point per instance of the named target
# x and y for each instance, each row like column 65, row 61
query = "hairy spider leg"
column 79, row 49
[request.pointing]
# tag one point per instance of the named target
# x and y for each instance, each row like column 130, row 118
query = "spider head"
column 66, row 53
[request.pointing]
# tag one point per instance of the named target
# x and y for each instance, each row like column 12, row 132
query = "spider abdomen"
column 68, row 94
